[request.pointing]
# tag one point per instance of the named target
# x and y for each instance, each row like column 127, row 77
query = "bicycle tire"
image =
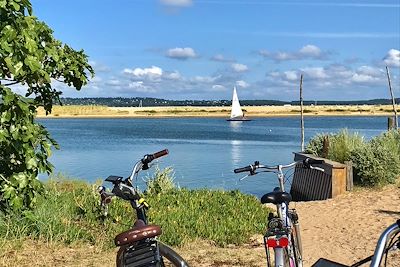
column 166, row 252
column 296, row 251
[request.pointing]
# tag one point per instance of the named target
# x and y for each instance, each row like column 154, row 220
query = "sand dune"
column 250, row 111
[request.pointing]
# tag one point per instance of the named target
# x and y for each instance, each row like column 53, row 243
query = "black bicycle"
column 139, row 246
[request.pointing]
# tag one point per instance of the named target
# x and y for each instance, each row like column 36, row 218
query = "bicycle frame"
column 284, row 229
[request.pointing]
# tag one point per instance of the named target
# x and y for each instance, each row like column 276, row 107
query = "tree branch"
column 8, row 84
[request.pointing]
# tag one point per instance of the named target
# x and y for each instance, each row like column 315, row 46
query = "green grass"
column 69, row 213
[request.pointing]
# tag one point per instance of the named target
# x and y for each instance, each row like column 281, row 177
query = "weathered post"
column 393, row 101
column 349, row 175
column 391, row 124
column 301, row 113
column 325, row 147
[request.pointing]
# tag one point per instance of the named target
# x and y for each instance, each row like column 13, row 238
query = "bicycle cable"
column 391, row 243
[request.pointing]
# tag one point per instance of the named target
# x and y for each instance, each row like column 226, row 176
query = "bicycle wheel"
column 296, row 248
column 166, row 253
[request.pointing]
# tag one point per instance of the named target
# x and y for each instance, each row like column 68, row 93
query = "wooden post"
column 393, row 101
column 301, row 113
column 390, row 123
column 325, row 147
column 349, row 175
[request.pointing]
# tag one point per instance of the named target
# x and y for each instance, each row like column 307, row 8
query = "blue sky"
column 200, row 49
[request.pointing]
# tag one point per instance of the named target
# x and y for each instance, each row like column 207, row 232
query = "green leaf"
column 18, row 68
column 16, row 202
column 16, row 6
column 31, row 163
column 32, row 63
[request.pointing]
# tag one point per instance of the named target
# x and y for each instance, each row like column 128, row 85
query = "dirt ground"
column 344, row 229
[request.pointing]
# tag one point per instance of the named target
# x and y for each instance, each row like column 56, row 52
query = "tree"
column 31, row 57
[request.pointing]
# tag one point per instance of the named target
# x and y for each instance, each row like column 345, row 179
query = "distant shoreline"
column 214, row 112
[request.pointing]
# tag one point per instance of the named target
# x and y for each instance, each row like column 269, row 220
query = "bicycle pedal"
column 144, row 253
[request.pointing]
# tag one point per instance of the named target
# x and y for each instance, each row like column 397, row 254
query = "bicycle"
column 283, row 229
column 389, row 240
column 139, row 246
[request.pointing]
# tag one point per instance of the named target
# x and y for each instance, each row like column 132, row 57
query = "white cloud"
column 331, row 77
column 392, row 59
column 181, row 53
column 242, row 84
column 218, row 87
column 146, row 73
column 221, row 58
column 177, row 3
column 315, row 72
column 306, row 52
column 173, row 75
column 290, row 75
column 311, row 51
column 363, row 78
column 113, row 82
column 237, row 67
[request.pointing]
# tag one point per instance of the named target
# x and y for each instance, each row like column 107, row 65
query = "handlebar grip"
column 310, row 161
column 244, row 169
column 160, row 153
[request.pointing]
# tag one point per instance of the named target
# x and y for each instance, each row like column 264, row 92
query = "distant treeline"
column 152, row 102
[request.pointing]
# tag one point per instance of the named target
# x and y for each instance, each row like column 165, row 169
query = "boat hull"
column 238, row 119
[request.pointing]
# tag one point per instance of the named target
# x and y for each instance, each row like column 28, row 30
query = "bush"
column 161, row 182
column 341, row 145
column 375, row 164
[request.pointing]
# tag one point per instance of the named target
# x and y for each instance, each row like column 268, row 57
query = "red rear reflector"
column 280, row 243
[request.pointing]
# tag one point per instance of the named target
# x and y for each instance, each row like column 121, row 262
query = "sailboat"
column 236, row 112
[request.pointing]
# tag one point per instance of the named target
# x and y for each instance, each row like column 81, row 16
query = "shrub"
column 315, row 145
column 375, row 164
column 161, row 182
column 341, row 145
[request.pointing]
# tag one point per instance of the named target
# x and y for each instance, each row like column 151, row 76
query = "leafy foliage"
column 162, row 181
column 376, row 162
column 341, row 145
column 375, row 165
column 25, row 147
column 31, row 57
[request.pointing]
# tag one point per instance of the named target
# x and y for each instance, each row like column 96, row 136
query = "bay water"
column 203, row 151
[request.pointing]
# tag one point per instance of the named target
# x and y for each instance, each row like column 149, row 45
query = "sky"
column 201, row 49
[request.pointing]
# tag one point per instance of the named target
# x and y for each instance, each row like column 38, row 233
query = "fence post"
column 391, row 124
column 349, row 175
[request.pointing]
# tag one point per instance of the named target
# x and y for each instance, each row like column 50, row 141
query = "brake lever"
column 244, row 177
column 251, row 173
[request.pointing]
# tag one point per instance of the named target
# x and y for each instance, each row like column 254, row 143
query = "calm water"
column 203, row 151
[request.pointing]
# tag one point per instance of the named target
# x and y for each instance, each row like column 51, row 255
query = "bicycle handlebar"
column 150, row 157
column 249, row 168
column 307, row 162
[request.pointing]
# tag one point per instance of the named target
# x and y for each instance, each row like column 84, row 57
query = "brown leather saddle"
column 139, row 232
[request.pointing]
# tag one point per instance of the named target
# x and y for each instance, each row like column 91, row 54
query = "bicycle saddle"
column 276, row 197
column 138, row 232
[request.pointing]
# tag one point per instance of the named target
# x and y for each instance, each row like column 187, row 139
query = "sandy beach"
column 222, row 112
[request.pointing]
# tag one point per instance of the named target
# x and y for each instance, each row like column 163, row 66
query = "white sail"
column 236, row 109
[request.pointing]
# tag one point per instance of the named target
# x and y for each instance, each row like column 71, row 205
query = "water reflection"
column 235, row 126
column 236, row 146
